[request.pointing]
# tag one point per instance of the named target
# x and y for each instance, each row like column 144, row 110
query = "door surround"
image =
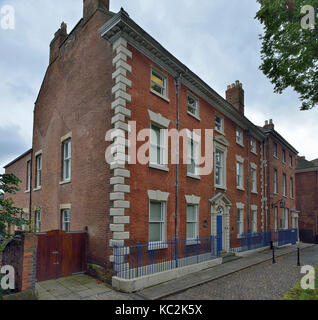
column 221, row 206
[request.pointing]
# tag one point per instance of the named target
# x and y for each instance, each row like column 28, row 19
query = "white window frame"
column 253, row 146
column 254, row 219
column 286, row 218
column 192, row 155
column 239, row 173
column 275, row 181
column 38, row 170
column 240, row 222
column 284, row 185
column 67, row 159
column 164, row 88
column 221, row 147
column 275, row 150
column 221, row 130
column 291, row 188
column 163, row 145
column 65, row 221
column 284, row 156
column 275, row 218
column 254, row 177
column 197, row 107
column 162, row 222
column 239, row 136
column 195, row 221
column 38, row 218
column 29, row 168
column 221, row 167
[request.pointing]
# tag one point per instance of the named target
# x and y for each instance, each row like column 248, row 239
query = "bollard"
column 272, row 245
column 298, row 257
column 274, row 261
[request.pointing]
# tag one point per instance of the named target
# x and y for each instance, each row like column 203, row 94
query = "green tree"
column 290, row 51
column 9, row 214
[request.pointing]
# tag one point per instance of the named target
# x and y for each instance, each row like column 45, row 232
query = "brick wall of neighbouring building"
column 307, row 199
column 21, row 254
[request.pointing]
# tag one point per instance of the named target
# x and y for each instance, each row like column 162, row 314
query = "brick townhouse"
column 279, row 182
column 307, row 199
column 106, row 72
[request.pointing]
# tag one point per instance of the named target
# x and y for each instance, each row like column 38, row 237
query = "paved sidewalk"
column 77, row 287
column 205, row 276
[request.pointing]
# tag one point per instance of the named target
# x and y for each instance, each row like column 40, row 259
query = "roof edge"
column 18, row 158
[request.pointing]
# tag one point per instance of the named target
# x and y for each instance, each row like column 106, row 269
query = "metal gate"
column 60, row 254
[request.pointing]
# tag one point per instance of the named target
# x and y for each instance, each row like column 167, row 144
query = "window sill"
column 255, row 153
column 27, row 191
column 160, row 95
column 158, row 167
column 37, row 189
column 193, row 176
column 240, row 188
column 275, row 157
column 220, row 187
column 192, row 242
column 255, row 192
column 240, row 144
column 221, row 132
column 65, row 182
column 157, row 246
column 194, row 116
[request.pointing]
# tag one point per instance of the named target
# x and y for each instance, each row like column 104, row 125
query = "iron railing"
column 257, row 240
column 137, row 259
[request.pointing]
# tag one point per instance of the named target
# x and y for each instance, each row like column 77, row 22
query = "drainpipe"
column 30, row 200
column 178, row 84
column 248, row 179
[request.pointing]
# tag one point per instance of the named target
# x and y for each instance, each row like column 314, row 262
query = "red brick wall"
column 307, row 200
column 75, row 97
column 21, row 254
column 143, row 178
column 21, row 199
column 282, row 168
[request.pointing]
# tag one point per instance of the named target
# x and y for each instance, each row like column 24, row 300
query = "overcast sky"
column 217, row 39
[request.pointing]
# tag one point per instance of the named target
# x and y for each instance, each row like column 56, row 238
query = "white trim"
column 193, row 200
column 157, row 118
column 158, row 195
column 240, row 205
column 66, row 206
column 66, row 137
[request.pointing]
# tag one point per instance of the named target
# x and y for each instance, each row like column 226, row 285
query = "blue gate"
column 219, row 228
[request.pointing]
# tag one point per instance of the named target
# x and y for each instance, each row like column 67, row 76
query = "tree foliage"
column 9, row 214
column 290, row 52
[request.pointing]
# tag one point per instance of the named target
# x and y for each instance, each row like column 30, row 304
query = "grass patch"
column 297, row 293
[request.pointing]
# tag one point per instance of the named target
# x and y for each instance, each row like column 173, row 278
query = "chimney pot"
column 235, row 95
column 90, row 6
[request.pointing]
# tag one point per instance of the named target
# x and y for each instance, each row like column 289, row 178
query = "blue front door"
column 219, row 231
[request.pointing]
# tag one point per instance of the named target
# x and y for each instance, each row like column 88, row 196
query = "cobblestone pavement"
column 266, row 281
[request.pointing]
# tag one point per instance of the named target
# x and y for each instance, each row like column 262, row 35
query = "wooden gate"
column 60, row 254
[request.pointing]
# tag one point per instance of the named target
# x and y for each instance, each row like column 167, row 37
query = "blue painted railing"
column 137, row 259
column 252, row 241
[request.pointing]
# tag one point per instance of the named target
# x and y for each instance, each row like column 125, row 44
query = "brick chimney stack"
column 59, row 37
column 235, row 96
column 90, row 6
column 269, row 124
